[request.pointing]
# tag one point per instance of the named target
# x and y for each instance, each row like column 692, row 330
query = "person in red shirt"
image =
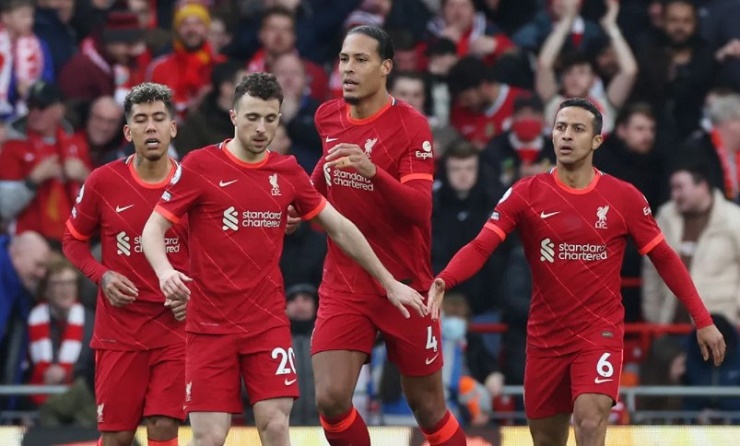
column 377, row 171
column 236, row 195
column 573, row 222
column 139, row 343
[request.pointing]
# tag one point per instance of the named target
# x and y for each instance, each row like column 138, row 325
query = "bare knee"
column 209, row 435
column 333, row 400
column 161, row 428
column 425, row 396
column 552, row 431
column 273, row 425
column 589, row 425
column 335, row 378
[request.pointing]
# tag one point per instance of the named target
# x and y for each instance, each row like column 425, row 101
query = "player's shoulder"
column 202, row 154
column 329, row 109
column 614, row 184
column 409, row 114
column 110, row 171
column 286, row 163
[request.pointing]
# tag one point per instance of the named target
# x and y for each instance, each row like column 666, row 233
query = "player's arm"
column 346, row 235
column 411, row 199
column 651, row 242
column 171, row 281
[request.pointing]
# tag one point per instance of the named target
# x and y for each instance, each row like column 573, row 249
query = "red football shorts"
column 131, row 385
column 216, row 365
column 352, row 322
column 552, row 383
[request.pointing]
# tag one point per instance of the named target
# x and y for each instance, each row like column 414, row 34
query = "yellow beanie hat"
column 191, row 10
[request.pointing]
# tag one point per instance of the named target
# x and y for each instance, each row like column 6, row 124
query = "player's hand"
column 178, row 308
column 118, row 289
column 711, row 340
column 434, row 298
column 172, row 284
column 403, row 296
column 293, row 220
column 346, row 155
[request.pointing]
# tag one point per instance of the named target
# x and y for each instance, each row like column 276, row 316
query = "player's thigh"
column 597, row 372
column 166, row 392
column 547, row 386
column 413, row 344
column 121, row 381
column 343, row 324
column 212, row 381
column 267, row 365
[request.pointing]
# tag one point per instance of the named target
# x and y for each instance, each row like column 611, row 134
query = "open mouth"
column 349, row 84
column 566, row 149
column 152, row 143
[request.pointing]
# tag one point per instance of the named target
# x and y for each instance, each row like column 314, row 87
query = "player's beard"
column 352, row 100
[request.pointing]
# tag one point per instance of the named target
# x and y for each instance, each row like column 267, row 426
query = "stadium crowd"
column 488, row 74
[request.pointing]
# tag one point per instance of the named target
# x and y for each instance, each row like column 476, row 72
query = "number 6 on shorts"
column 604, row 367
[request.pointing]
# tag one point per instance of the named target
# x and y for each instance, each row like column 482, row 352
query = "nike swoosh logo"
column 431, row 360
column 289, row 381
column 331, row 139
column 121, row 209
column 226, row 183
column 543, row 215
column 599, row 380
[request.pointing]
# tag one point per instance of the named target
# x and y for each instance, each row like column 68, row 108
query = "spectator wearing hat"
column 102, row 67
column 482, row 104
column 187, row 69
column 301, row 306
column 24, row 58
column 524, row 149
column 52, row 163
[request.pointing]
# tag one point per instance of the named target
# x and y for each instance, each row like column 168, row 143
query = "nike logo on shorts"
column 289, row 382
column 431, row 360
column 600, row 380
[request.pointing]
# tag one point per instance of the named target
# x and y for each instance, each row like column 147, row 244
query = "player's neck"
column 237, row 149
column 370, row 105
column 575, row 177
column 152, row 171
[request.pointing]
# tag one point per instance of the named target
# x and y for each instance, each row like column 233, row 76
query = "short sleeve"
column 506, row 215
column 182, row 193
column 85, row 219
column 418, row 161
column 307, row 201
column 640, row 222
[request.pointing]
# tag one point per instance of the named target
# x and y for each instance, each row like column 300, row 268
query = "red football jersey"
column 398, row 140
column 237, row 214
column 480, row 128
column 574, row 241
column 116, row 204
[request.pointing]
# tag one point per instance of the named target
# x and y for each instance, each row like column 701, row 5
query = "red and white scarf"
column 22, row 57
column 42, row 351
column 119, row 73
column 730, row 174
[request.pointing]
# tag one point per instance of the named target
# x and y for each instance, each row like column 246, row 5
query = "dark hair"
column 259, row 85
column 572, row 59
column 56, row 266
column 12, row 5
column 385, row 44
column 637, row 108
column 469, row 72
column 441, row 47
column 461, row 149
column 698, row 170
column 598, row 122
column 413, row 75
column 147, row 93
column 276, row 11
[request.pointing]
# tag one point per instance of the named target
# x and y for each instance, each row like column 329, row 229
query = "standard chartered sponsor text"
column 261, row 219
column 584, row 252
column 172, row 244
column 351, row 179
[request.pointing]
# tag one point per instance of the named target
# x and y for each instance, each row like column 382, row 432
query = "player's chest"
column 240, row 197
column 382, row 143
column 576, row 220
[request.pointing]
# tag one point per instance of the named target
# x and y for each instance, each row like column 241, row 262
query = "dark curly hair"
column 259, row 85
column 598, row 121
column 147, row 93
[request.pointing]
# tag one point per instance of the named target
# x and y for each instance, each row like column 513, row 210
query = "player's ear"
column 127, row 133
column 596, row 143
column 173, row 128
column 386, row 66
column 232, row 116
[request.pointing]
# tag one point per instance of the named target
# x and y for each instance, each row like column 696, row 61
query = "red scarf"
column 730, row 186
column 42, row 350
column 196, row 67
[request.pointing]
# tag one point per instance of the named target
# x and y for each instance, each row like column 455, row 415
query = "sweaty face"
column 638, row 133
column 151, row 129
column 363, row 72
column 578, row 80
column 573, row 136
column 256, row 121
column 411, row 91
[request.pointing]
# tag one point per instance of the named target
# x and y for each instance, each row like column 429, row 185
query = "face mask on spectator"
column 454, row 328
column 527, row 129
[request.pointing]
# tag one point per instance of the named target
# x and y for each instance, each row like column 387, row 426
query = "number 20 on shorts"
column 287, row 360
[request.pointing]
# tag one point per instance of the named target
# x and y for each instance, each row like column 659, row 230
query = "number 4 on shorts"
column 431, row 339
